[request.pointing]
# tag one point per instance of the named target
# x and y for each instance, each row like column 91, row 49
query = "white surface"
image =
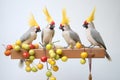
column 13, row 23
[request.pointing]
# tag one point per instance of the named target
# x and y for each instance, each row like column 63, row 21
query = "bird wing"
column 97, row 37
column 42, row 35
column 74, row 36
column 25, row 36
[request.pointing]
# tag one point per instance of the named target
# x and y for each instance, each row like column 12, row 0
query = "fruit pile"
column 53, row 53
column 29, row 57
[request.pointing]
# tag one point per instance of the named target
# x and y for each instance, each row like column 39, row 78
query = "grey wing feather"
column 42, row 36
column 25, row 36
column 97, row 37
column 74, row 36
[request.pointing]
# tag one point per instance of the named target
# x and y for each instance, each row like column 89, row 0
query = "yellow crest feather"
column 48, row 17
column 32, row 21
column 91, row 17
column 65, row 19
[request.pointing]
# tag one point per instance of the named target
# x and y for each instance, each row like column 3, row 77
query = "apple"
column 64, row 58
column 27, row 62
column 49, row 60
column 7, row 52
column 55, row 68
column 17, row 48
column 78, row 45
column 49, row 46
column 48, row 73
column 18, row 42
column 36, row 46
column 25, row 46
column 84, row 55
column 52, row 62
column 32, row 58
column 82, row 61
column 32, row 46
column 34, row 69
column 57, row 57
column 51, row 51
column 25, row 55
column 40, row 66
column 59, row 51
column 9, row 47
column 27, row 68
column 52, row 78
column 31, row 52
column 52, row 55
column 43, row 58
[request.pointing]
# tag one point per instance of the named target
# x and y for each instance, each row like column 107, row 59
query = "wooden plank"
column 70, row 53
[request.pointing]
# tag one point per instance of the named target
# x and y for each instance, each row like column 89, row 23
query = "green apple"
column 51, row 51
column 82, row 61
column 57, row 57
column 52, row 55
column 59, row 51
column 48, row 73
column 32, row 58
column 34, row 69
column 31, row 52
column 49, row 46
column 27, row 68
column 25, row 46
column 17, row 48
column 64, row 58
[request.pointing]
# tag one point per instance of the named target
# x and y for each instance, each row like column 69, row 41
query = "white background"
column 14, row 15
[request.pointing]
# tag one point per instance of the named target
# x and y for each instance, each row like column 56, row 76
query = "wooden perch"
column 70, row 53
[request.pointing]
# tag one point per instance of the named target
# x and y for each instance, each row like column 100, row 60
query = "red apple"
column 9, row 47
column 43, row 58
column 32, row 46
column 7, row 52
column 25, row 55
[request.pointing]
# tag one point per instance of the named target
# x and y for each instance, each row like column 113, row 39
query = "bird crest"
column 32, row 21
column 48, row 17
column 65, row 19
column 91, row 17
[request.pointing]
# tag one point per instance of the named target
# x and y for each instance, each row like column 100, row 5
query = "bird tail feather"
column 108, row 56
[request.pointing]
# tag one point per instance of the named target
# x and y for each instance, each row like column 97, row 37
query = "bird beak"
column 85, row 26
column 38, row 29
column 61, row 27
column 52, row 26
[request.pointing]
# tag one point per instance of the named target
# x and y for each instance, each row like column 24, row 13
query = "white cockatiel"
column 93, row 35
column 48, row 32
column 30, row 35
column 68, row 34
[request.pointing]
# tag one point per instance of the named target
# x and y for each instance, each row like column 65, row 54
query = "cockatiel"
column 93, row 35
column 31, row 34
column 48, row 32
column 68, row 34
